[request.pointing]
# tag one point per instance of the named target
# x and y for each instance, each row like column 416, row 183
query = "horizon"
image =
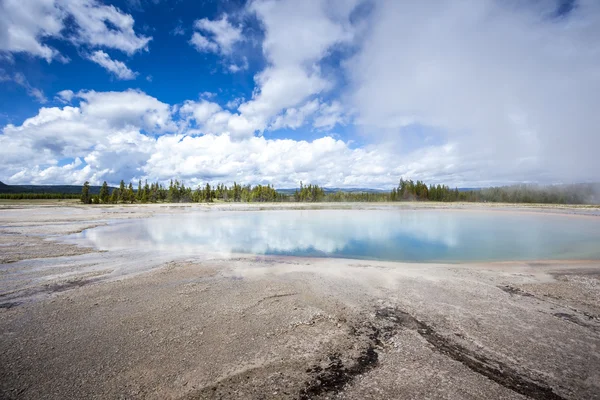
column 330, row 188
column 347, row 94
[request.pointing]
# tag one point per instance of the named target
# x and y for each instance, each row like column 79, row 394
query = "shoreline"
column 593, row 209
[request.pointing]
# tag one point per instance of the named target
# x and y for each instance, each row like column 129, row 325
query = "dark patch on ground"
column 336, row 374
column 333, row 377
column 9, row 304
column 514, row 291
column 589, row 315
column 491, row 369
column 568, row 317
column 574, row 319
column 61, row 287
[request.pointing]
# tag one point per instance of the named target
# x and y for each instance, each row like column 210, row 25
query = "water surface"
column 393, row 235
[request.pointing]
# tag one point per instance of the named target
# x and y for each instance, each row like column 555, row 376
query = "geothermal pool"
column 391, row 235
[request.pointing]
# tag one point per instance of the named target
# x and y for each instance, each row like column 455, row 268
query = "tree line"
column 407, row 190
column 177, row 192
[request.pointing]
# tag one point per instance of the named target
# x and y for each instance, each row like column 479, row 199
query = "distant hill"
column 335, row 190
column 66, row 189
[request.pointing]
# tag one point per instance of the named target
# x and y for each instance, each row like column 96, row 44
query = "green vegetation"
column 407, row 190
column 85, row 193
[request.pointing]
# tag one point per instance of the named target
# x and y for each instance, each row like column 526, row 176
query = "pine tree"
column 208, row 194
column 104, row 195
column 85, row 193
column 145, row 193
column 130, row 193
column 122, row 193
column 114, row 197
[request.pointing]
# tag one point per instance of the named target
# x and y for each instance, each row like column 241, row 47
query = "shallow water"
column 393, row 235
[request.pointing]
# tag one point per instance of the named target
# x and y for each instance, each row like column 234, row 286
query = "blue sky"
column 176, row 70
column 342, row 93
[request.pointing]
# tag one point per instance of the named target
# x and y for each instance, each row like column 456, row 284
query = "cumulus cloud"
column 219, row 36
column 117, row 68
column 294, row 118
column 24, row 24
column 107, row 137
column 205, row 117
column 281, row 162
column 25, row 27
column 129, row 108
column 69, row 132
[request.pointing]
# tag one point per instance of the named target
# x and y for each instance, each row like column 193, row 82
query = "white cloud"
column 510, row 86
column 283, row 163
column 24, row 24
column 25, row 27
column 64, row 96
column 117, row 68
column 330, row 115
column 222, row 35
column 303, row 32
column 208, row 95
column 294, row 118
column 107, row 131
column 201, row 111
column 209, row 118
column 129, row 108
column 297, row 37
column 234, row 103
column 66, row 132
column 202, row 44
column 93, row 18
column 130, row 135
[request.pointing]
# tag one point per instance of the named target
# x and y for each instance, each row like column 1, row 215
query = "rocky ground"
column 282, row 327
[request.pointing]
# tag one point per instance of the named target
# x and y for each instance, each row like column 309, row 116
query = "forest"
column 407, row 190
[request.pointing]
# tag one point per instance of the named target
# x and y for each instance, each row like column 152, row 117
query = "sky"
column 340, row 93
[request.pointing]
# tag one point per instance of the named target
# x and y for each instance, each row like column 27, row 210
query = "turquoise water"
column 394, row 235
